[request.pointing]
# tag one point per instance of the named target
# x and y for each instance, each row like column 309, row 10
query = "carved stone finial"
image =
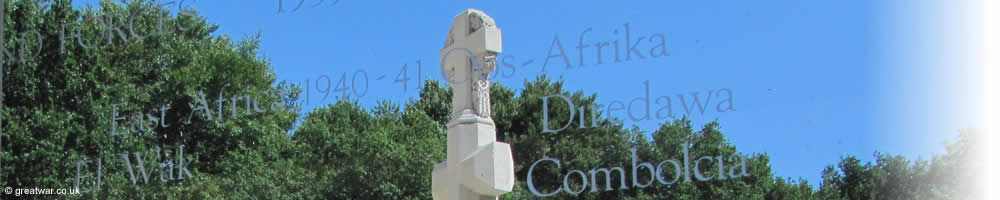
column 476, row 34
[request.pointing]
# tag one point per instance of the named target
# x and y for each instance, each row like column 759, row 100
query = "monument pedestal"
column 484, row 167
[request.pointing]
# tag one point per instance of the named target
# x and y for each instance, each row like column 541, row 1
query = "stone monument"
column 478, row 166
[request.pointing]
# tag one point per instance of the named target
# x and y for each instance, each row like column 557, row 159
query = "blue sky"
column 812, row 80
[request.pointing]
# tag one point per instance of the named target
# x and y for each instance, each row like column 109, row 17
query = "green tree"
column 948, row 176
column 83, row 66
column 386, row 153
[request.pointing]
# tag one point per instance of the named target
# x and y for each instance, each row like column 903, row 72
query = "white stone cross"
column 478, row 166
